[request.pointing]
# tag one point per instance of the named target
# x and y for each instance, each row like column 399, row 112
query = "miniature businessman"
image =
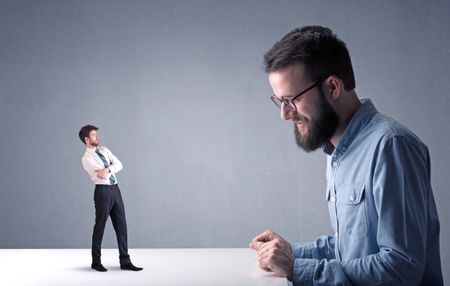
column 102, row 166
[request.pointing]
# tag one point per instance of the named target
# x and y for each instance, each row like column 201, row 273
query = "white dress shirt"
column 92, row 162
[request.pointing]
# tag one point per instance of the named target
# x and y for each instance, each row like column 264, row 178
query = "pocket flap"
column 350, row 195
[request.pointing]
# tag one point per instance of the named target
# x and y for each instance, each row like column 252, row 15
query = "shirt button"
column 352, row 198
column 333, row 199
column 336, row 234
column 335, row 164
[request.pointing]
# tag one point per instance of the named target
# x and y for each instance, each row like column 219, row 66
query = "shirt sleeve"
column 401, row 186
column 115, row 164
column 89, row 166
column 321, row 248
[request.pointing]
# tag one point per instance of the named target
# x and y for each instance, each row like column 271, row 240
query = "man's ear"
column 333, row 87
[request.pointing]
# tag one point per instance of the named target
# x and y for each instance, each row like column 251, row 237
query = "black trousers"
column 108, row 202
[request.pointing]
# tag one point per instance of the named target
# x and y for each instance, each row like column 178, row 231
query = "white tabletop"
column 187, row 266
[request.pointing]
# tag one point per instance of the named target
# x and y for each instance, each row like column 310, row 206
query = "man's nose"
column 286, row 112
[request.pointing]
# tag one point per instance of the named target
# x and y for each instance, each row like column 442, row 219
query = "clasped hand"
column 101, row 173
column 274, row 253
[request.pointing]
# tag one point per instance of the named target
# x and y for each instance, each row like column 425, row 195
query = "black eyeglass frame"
column 289, row 101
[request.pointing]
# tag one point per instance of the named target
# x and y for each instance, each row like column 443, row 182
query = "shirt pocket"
column 351, row 208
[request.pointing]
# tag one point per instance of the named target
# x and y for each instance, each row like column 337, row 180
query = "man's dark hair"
column 85, row 130
column 320, row 52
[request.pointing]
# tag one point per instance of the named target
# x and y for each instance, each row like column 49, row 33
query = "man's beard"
column 320, row 127
column 95, row 143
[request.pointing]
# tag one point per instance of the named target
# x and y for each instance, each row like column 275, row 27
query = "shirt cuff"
column 302, row 250
column 303, row 271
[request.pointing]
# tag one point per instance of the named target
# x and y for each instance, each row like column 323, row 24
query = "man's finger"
column 265, row 252
column 255, row 245
column 263, row 265
column 268, row 235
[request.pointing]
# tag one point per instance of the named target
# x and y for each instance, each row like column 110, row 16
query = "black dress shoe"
column 131, row 267
column 98, row 267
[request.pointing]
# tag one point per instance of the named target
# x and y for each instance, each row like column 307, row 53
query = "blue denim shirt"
column 381, row 208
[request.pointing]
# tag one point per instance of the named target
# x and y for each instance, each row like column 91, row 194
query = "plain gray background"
column 179, row 93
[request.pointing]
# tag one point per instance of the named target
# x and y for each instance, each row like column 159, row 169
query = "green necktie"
column 112, row 179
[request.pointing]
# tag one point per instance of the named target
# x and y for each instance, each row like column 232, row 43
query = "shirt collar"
column 360, row 119
column 91, row 150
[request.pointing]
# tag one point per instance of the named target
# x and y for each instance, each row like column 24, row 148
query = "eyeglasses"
column 289, row 101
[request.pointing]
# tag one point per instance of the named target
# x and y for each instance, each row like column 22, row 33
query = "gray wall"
column 179, row 92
